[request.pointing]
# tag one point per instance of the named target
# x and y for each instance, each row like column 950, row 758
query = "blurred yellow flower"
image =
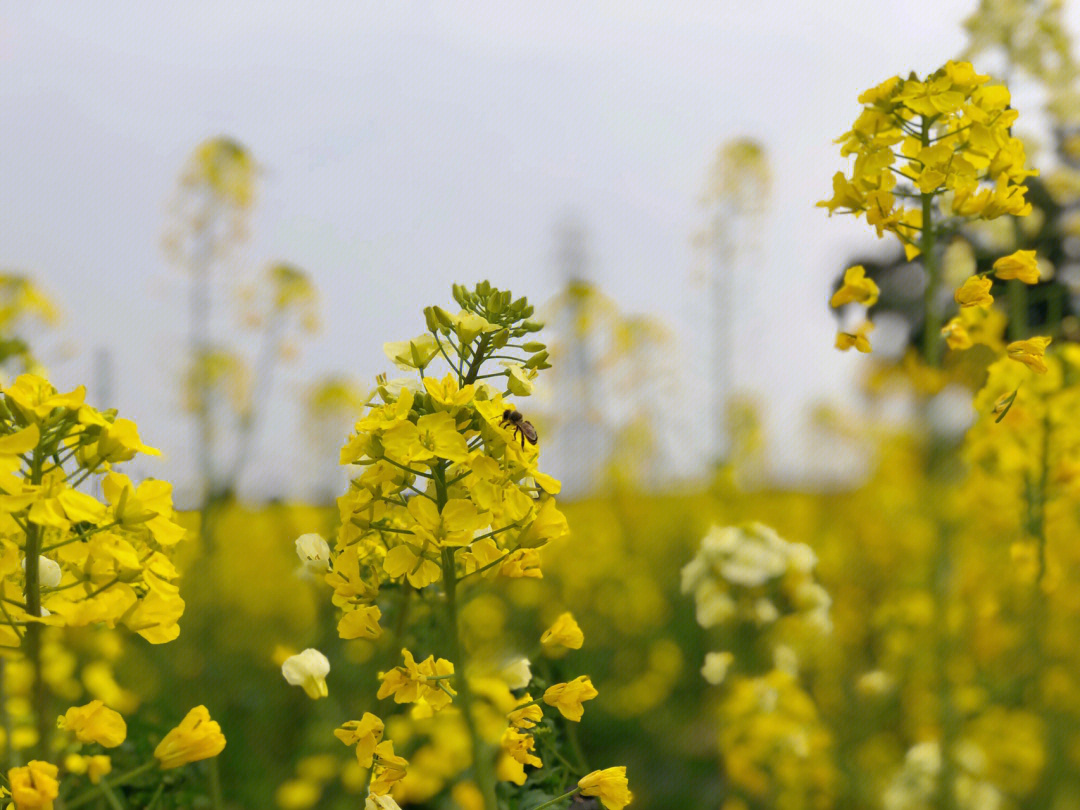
column 365, row 734
column 34, row 786
column 956, row 335
column 856, row 288
column 564, row 632
column 1020, row 265
column 975, row 292
column 388, row 768
column 94, row 723
column 1030, row 352
column 858, row 339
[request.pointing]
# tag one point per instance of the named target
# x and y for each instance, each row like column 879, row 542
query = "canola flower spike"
column 446, row 493
column 945, row 144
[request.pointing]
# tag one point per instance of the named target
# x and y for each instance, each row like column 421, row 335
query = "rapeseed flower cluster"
column 944, row 141
column 69, row 558
column 946, row 144
column 747, row 582
column 448, row 493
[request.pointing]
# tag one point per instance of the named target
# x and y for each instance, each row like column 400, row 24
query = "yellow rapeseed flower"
column 1019, row 265
column 608, row 785
column 388, row 768
column 365, row 733
column 856, row 288
column 858, row 339
column 956, row 335
column 564, row 632
column 527, row 715
column 1030, row 352
column 34, row 786
column 568, row 697
column 94, row 723
column 197, row 737
column 362, row 622
column 975, row 292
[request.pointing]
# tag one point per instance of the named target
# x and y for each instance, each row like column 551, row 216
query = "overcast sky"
column 407, row 145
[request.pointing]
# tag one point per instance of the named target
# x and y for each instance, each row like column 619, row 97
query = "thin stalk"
column 35, row 630
column 568, row 795
column 483, row 758
column 927, row 246
column 122, row 779
column 5, row 722
column 482, row 755
column 215, row 785
column 949, row 720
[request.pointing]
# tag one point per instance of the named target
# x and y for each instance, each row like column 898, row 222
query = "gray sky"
column 406, row 145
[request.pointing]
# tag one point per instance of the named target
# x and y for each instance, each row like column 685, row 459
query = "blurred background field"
column 235, row 300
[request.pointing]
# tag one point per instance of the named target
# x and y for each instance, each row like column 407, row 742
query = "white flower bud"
column 314, row 553
column 49, row 573
column 309, row 670
column 517, row 674
column 716, row 667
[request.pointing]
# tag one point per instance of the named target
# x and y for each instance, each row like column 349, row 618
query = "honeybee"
column 520, row 426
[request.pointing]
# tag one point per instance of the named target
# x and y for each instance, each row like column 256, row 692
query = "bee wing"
column 529, row 431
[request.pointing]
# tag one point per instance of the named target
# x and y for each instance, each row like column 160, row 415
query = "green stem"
column 112, row 798
column 215, row 785
column 568, row 795
column 931, row 311
column 35, row 630
column 483, row 757
column 478, row 360
column 483, row 760
column 1018, row 309
column 5, row 722
column 100, row 789
column 156, row 797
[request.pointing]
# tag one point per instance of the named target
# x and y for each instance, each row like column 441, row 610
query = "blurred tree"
column 610, row 393
column 225, row 393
